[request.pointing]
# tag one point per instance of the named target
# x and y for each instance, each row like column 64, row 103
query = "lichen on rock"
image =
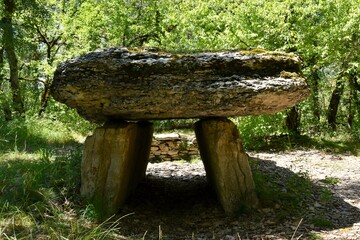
column 120, row 84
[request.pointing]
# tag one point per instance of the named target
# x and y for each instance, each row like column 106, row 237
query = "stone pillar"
column 226, row 164
column 114, row 161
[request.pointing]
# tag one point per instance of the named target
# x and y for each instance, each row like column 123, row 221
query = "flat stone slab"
column 118, row 84
column 166, row 136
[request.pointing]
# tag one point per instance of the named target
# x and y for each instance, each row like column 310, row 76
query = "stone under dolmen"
column 124, row 90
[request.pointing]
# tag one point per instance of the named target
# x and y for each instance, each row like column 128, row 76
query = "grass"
column 39, row 199
column 321, row 221
column 39, row 184
column 330, row 180
column 340, row 144
column 33, row 134
column 314, row 236
column 39, row 196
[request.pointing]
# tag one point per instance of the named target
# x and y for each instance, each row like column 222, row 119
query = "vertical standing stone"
column 226, row 164
column 114, row 161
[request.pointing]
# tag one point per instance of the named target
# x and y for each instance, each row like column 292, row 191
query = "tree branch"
column 1, row 56
column 356, row 84
column 42, row 36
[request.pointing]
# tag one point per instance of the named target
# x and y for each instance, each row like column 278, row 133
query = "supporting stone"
column 226, row 164
column 114, row 161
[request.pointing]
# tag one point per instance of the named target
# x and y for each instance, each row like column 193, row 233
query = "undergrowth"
column 40, row 198
column 268, row 133
column 40, row 184
column 31, row 134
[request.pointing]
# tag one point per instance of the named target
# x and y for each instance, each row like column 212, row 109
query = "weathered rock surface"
column 226, row 164
column 120, row 84
column 114, row 161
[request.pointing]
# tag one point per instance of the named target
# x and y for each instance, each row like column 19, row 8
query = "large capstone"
column 138, row 85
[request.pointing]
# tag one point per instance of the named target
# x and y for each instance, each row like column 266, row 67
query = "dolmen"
column 124, row 90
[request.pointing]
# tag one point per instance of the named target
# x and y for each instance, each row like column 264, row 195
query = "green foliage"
column 330, row 180
column 322, row 221
column 255, row 129
column 326, row 195
column 314, row 236
column 298, row 189
column 33, row 134
column 33, row 189
column 170, row 125
column 29, row 181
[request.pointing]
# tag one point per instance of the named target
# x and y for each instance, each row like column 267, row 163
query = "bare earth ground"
column 175, row 202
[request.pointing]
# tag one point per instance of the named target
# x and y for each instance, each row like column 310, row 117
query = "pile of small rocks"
column 173, row 147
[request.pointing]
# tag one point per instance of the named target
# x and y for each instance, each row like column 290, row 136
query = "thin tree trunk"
column 353, row 101
column 351, row 112
column 44, row 98
column 357, row 103
column 356, row 97
column 314, row 83
column 334, row 103
column 8, row 33
column 293, row 120
column 4, row 103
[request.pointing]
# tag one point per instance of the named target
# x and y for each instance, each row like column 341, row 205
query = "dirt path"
column 175, row 202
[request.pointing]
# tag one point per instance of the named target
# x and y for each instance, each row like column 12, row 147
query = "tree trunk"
column 44, row 98
column 293, row 121
column 353, row 101
column 334, row 103
column 9, row 45
column 4, row 102
column 351, row 113
column 357, row 103
column 314, row 86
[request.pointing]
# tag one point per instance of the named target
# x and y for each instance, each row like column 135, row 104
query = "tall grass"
column 32, row 134
column 39, row 196
column 40, row 183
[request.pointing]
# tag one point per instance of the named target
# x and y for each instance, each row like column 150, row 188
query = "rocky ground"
column 175, row 202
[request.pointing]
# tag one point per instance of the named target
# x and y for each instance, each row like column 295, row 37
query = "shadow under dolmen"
column 184, row 206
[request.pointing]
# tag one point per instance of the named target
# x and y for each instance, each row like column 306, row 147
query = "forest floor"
column 318, row 198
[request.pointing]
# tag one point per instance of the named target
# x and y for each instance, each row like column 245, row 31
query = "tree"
column 9, row 47
column 4, row 103
column 324, row 36
column 49, row 35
